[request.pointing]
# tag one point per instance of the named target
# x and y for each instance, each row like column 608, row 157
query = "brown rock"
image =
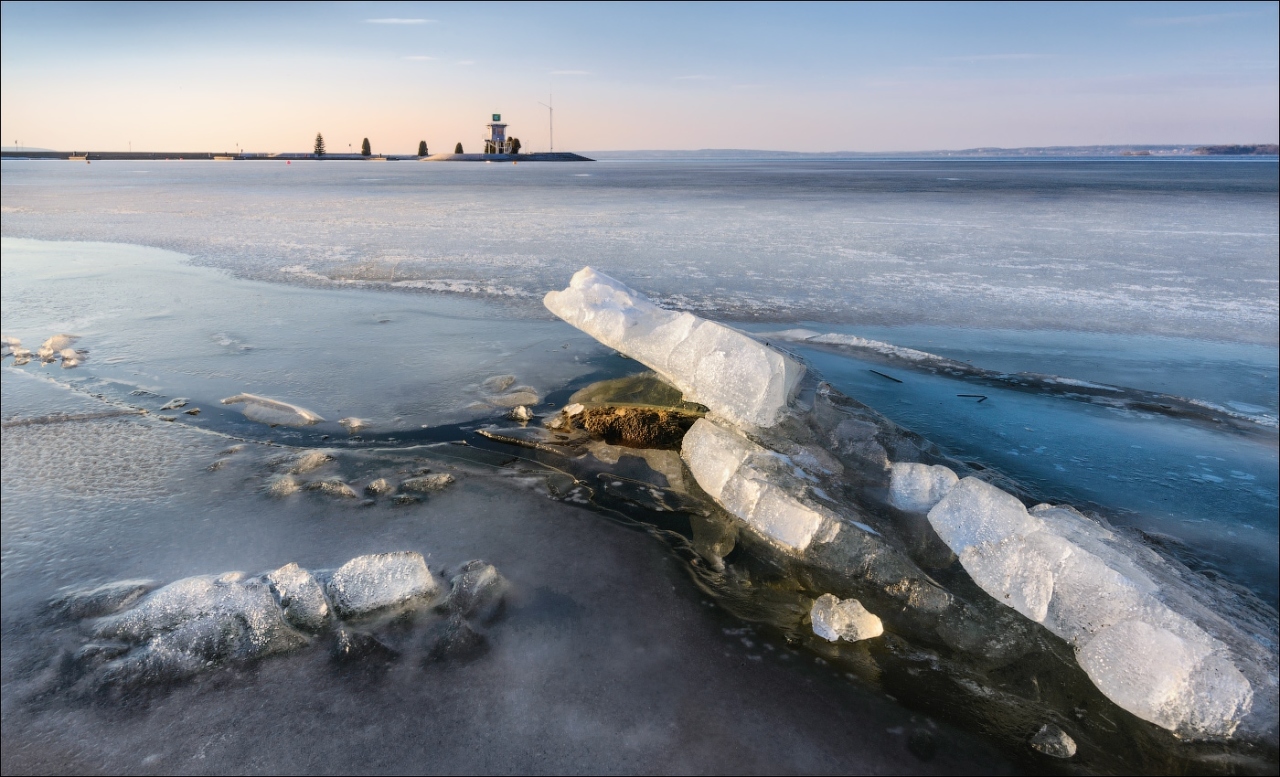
column 637, row 427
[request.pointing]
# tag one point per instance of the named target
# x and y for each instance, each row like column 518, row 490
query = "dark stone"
column 477, row 592
column 454, row 639
column 351, row 646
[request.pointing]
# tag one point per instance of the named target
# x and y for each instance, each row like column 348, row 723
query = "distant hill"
column 1270, row 149
column 992, row 151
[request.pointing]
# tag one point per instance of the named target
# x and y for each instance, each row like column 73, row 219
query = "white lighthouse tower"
column 497, row 142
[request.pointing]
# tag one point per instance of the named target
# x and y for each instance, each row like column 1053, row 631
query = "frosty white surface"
column 835, row 619
column 1050, row 566
column 370, row 583
column 55, row 345
column 194, row 623
column 183, row 626
column 748, row 481
column 917, row 488
column 300, row 596
column 1114, row 247
column 273, row 411
column 729, row 372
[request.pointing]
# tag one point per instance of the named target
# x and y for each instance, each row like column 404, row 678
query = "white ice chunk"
column 352, row 424
column 1053, row 567
column 369, row 583
column 744, row 479
column 974, row 512
column 273, row 411
column 916, row 488
column 835, row 619
column 198, row 615
column 71, row 358
column 300, row 596
column 1018, row 570
column 55, row 345
column 731, row 373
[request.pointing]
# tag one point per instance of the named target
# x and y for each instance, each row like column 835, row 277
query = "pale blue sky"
column 820, row 77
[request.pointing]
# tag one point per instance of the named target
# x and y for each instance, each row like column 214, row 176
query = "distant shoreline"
column 1031, row 152
column 95, row 156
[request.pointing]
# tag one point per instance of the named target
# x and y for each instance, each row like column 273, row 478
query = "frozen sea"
column 394, row 292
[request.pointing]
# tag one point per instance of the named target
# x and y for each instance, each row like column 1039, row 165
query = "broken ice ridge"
column 145, row 634
column 1139, row 631
column 1052, row 566
column 731, row 373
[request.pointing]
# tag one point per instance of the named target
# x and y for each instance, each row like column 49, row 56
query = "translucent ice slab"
column 735, row 375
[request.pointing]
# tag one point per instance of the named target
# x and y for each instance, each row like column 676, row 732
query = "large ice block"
column 367, row 584
column 916, row 488
column 734, row 375
column 1051, row 566
column 748, row 481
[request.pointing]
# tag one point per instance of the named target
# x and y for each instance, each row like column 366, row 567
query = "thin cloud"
column 694, row 78
column 993, row 58
column 1207, row 18
column 419, row 58
column 570, row 72
column 396, row 20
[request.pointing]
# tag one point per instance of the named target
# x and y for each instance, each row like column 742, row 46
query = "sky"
column 783, row 76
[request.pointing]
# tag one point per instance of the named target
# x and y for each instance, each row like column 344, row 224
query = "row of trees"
column 367, row 150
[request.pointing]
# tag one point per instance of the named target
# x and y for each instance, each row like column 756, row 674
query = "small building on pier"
column 497, row 142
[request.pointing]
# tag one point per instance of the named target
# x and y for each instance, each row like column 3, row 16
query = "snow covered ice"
column 370, row 583
column 736, row 376
column 197, row 623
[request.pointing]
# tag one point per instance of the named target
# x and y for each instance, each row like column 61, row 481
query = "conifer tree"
column 422, row 148
column 458, row 149
column 365, row 149
column 319, row 144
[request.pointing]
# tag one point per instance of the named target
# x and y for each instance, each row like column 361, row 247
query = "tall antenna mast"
column 551, row 119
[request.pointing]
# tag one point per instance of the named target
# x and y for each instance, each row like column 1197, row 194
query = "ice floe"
column 273, row 411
